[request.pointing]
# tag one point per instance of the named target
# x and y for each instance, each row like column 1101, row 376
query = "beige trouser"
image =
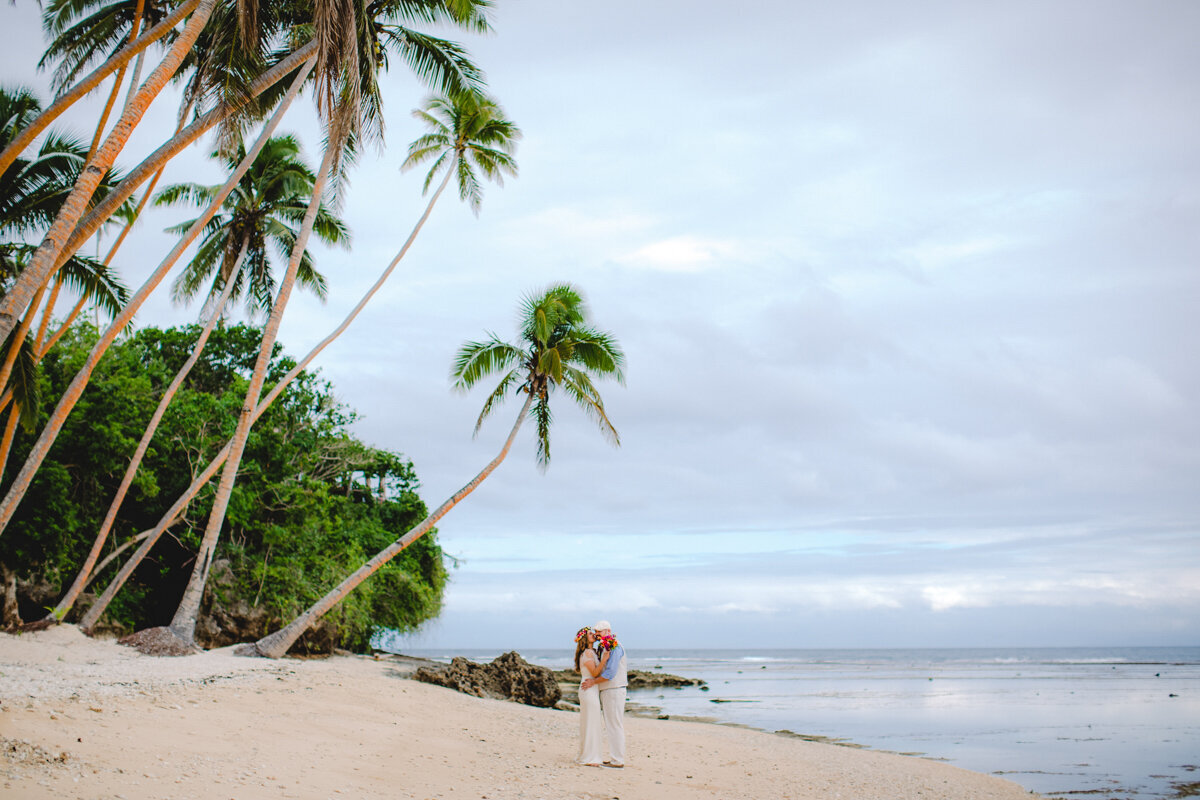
column 612, row 702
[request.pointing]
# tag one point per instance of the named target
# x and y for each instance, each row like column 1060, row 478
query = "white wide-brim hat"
column 602, row 625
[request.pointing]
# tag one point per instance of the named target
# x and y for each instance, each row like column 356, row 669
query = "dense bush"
column 311, row 502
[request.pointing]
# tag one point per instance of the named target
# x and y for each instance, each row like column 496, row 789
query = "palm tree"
column 447, row 66
column 387, row 27
column 348, row 101
column 466, row 132
column 82, row 33
column 558, row 350
column 499, row 137
column 108, row 27
column 260, row 210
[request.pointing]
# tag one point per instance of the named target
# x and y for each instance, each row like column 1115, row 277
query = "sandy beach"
column 83, row 718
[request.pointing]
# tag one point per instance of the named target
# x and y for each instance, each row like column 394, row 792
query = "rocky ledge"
column 508, row 677
column 638, row 679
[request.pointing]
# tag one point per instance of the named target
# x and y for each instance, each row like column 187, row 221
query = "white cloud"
column 686, row 253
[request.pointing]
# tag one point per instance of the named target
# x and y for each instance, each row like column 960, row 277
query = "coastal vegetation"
column 312, row 501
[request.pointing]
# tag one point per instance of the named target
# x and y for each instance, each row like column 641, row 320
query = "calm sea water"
column 1096, row 722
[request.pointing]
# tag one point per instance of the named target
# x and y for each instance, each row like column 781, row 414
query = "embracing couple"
column 600, row 659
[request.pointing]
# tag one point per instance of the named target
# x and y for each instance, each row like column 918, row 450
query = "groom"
column 612, row 682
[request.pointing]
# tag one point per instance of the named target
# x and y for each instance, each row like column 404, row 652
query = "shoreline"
column 93, row 720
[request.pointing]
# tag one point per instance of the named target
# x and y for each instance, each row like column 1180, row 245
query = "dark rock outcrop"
column 638, row 679
column 508, row 677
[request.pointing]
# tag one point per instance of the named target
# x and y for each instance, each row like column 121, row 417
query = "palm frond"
column 579, row 387
column 92, row 279
column 496, row 397
column 477, row 360
column 540, row 411
column 441, row 64
column 599, row 353
column 24, row 383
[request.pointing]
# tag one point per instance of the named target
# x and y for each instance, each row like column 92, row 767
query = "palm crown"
column 263, row 208
column 558, row 350
column 466, row 132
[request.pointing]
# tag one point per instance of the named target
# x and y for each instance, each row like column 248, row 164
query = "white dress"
column 591, row 719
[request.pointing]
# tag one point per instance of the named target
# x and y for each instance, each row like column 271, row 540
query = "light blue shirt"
column 614, row 661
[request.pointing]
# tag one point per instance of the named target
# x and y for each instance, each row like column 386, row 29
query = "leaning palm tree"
column 441, row 64
column 260, row 211
column 558, row 350
column 81, row 34
column 481, row 131
column 348, row 101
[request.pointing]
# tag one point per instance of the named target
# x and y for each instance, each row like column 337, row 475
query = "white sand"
column 93, row 720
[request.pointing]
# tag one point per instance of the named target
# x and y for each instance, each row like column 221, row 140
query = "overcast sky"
column 908, row 294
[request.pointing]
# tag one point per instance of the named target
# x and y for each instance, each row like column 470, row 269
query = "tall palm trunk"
column 137, row 211
column 18, row 337
column 47, row 313
column 116, row 87
column 40, row 448
column 10, row 430
column 301, row 58
column 275, row 645
column 97, row 76
column 45, row 259
column 115, row 554
column 68, row 600
column 39, row 349
column 183, row 624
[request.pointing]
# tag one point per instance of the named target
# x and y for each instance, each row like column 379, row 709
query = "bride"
column 591, row 719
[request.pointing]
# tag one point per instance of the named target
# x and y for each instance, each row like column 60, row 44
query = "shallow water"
column 1107, row 723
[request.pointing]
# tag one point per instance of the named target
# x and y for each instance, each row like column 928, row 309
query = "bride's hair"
column 581, row 644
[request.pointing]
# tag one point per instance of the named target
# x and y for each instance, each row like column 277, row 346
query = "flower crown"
column 608, row 641
column 583, row 632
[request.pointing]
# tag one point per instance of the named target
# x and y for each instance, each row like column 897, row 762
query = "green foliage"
column 311, row 504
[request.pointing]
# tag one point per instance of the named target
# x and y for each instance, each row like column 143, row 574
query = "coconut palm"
column 297, row 64
column 107, row 28
column 271, row 195
column 558, row 350
column 347, row 94
column 499, row 135
column 82, row 33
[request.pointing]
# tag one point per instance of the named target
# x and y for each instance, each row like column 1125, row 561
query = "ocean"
column 1105, row 723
